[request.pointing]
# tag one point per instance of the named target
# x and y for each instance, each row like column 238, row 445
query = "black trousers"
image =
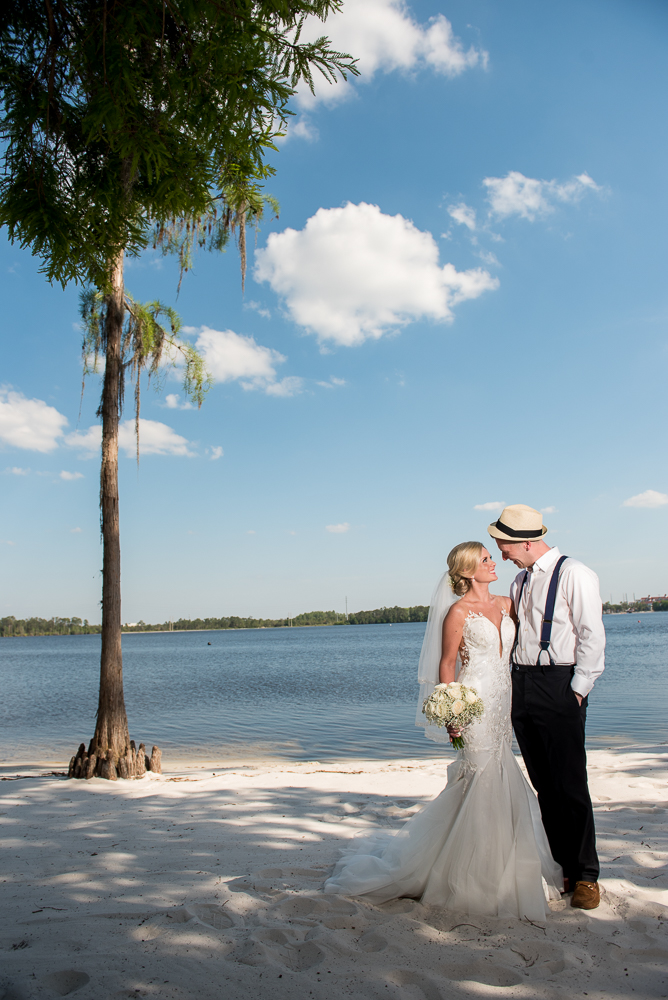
column 550, row 729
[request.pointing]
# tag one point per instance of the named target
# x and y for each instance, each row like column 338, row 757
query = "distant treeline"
column 380, row 616
column 630, row 607
column 75, row 626
column 46, row 626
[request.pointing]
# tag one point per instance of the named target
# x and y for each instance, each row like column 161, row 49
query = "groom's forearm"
column 585, row 604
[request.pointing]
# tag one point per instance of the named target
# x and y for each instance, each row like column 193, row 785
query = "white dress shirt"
column 578, row 635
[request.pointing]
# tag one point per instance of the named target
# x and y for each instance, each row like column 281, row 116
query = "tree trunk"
column 111, row 739
column 111, row 754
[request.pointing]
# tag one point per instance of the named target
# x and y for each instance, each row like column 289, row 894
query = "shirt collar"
column 547, row 560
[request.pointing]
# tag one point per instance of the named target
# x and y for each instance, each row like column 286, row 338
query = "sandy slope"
column 195, row 886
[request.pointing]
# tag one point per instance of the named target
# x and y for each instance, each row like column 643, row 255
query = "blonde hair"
column 462, row 563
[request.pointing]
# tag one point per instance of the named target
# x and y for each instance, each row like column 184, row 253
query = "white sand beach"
column 205, row 882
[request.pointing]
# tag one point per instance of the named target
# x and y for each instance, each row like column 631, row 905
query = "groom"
column 558, row 654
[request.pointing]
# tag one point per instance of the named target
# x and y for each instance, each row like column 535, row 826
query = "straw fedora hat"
column 518, row 523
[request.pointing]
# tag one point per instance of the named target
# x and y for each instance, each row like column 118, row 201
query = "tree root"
column 100, row 763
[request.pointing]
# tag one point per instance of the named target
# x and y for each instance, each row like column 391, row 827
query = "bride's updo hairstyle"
column 462, row 564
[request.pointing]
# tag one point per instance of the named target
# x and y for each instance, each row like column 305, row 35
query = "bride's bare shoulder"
column 457, row 612
column 503, row 602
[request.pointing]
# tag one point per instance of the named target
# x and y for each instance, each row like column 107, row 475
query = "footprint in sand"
column 372, row 941
column 398, row 906
column 406, row 977
column 299, row 907
column 269, row 881
column 272, row 946
column 538, row 958
column 65, row 982
column 484, row 974
column 211, row 915
column 8, row 991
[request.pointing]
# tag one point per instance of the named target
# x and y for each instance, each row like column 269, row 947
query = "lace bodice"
column 485, row 656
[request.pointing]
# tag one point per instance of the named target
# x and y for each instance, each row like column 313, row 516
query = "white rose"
column 458, row 707
column 440, row 687
column 454, row 688
column 471, row 697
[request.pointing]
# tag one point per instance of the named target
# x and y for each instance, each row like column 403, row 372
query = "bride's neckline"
column 479, row 614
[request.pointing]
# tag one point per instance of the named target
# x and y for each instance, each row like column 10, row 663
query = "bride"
column 479, row 847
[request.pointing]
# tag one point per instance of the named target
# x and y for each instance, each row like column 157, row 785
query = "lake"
column 299, row 694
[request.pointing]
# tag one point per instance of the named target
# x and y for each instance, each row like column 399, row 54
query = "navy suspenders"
column 548, row 615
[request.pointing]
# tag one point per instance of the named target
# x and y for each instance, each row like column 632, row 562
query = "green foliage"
column 381, row 616
column 150, row 344
column 384, row 616
column 632, row 607
column 73, row 626
column 661, row 605
column 46, row 626
column 120, row 116
column 231, row 212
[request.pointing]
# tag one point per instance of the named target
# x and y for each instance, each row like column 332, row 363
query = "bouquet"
column 453, row 705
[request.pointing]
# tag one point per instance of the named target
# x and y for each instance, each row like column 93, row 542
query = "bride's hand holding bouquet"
column 453, row 706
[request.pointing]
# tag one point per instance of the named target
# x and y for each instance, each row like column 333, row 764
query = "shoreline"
column 179, row 761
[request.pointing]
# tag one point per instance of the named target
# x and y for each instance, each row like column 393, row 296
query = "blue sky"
column 462, row 303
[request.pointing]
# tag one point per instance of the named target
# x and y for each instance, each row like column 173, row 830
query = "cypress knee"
column 140, row 766
column 155, row 762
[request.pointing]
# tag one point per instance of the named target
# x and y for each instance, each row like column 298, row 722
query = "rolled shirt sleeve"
column 581, row 588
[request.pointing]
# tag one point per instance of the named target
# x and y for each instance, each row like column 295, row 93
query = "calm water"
column 301, row 694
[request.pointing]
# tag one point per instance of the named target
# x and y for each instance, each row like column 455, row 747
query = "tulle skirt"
column 478, row 848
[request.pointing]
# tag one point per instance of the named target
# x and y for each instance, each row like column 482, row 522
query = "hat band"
column 515, row 533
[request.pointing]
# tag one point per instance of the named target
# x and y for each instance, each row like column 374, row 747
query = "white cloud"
column 86, row 441
column 353, row 273
column 650, row 498
column 75, row 531
column 288, row 386
column 303, row 128
column 463, row 214
column 16, row 471
column 333, row 383
column 173, row 402
column 548, row 510
column 215, row 453
column 29, row 423
column 489, row 258
column 529, row 198
column 155, row 438
column 251, row 532
column 69, row 476
column 491, row 505
column 231, row 356
column 337, row 529
column 259, row 309
column 383, row 36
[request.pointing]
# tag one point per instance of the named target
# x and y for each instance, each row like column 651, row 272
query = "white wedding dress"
column 479, row 847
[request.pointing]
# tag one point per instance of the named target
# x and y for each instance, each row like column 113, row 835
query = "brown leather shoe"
column 586, row 895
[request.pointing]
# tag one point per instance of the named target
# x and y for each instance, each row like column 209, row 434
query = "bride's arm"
column 453, row 626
